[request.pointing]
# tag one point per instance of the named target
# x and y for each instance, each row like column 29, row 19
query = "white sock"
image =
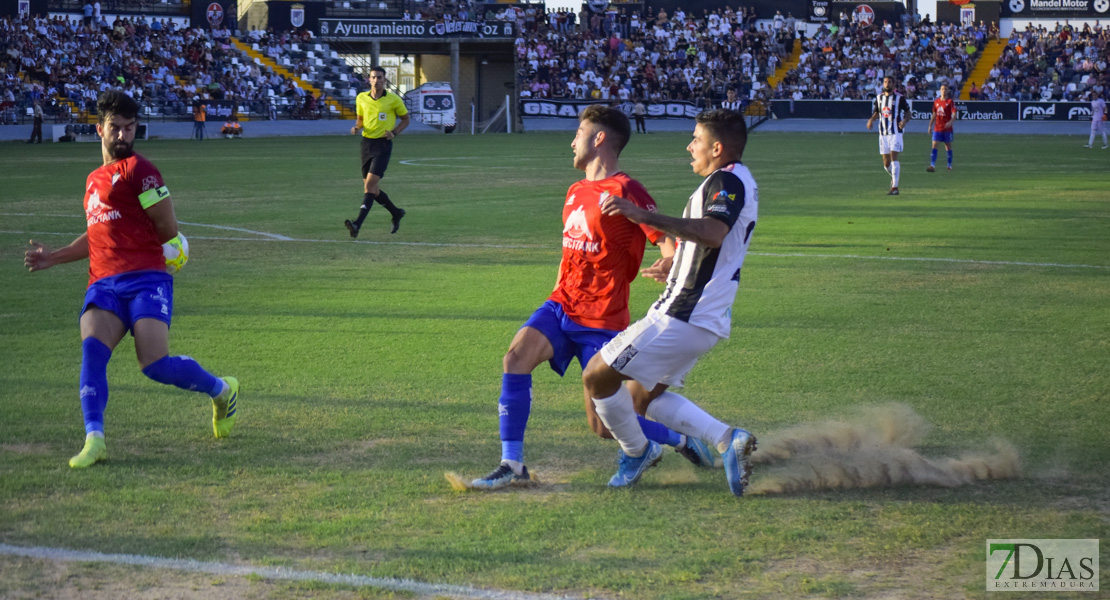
column 516, row 466
column 895, row 171
column 92, row 434
column 224, row 391
column 1091, row 142
column 619, row 417
column 886, row 168
column 685, row 417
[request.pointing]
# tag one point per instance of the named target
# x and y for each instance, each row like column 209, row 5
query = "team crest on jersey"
column 601, row 198
column 570, row 200
column 115, row 177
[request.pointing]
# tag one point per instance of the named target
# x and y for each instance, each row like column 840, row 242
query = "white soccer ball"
column 176, row 252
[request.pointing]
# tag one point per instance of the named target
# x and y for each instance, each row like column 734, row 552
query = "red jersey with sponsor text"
column 122, row 237
column 945, row 110
column 601, row 254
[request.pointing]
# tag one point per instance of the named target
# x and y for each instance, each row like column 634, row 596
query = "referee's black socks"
column 367, row 204
column 384, row 200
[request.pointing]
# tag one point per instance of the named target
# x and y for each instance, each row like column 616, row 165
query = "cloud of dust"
column 876, row 449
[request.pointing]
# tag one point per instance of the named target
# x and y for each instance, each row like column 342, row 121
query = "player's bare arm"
column 706, row 231
column 40, row 257
column 165, row 222
column 358, row 125
column 402, row 123
column 932, row 119
column 871, row 121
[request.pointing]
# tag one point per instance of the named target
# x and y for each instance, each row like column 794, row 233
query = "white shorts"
column 1097, row 126
column 658, row 349
column 890, row 143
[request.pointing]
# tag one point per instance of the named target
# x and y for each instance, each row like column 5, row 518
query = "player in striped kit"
column 692, row 314
column 893, row 112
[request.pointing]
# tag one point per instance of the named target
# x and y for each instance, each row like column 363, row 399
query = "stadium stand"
column 623, row 55
column 1036, row 63
column 847, row 61
column 65, row 65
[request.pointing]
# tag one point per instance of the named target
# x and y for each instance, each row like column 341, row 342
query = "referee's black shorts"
column 375, row 156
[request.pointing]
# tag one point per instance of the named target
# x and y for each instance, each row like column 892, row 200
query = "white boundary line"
column 274, row 237
column 218, row 568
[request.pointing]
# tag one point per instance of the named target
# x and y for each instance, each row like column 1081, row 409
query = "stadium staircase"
column 343, row 112
column 992, row 51
column 787, row 65
column 758, row 108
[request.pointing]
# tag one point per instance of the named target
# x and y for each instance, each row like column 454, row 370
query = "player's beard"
column 120, row 149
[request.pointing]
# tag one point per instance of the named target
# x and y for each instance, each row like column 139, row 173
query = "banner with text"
column 921, row 110
column 369, row 29
column 569, row 109
column 1062, row 9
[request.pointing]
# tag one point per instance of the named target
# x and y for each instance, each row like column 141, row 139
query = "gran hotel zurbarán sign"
column 369, row 29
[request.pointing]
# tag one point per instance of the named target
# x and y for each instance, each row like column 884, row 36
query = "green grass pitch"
column 980, row 298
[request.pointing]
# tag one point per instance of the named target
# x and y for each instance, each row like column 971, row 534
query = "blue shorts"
column 133, row 296
column 943, row 136
column 568, row 339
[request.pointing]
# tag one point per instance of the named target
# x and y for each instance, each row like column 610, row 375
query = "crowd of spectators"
column 63, row 63
column 848, row 60
column 621, row 55
column 1062, row 63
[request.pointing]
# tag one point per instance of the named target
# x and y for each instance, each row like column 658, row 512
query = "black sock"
column 384, row 200
column 367, row 204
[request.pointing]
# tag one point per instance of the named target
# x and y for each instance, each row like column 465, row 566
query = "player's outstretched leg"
column 224, row 409
column 691, row 448
column 185, row 373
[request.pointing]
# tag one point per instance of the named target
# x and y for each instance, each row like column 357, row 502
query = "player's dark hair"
column 728, row 127
column 115, row 102
column 378, row 68
column 613, row 120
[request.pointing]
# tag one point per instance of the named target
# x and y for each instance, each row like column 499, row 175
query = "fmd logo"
column 1034, row 112
column 1042, row 565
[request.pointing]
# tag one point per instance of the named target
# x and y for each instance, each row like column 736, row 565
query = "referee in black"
column 382, row 116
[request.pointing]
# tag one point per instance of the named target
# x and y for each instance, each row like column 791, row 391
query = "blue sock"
column 658, row 432
column 949, row 158
column 513, row 409
column 185, row 373
column 94, row 383
column 933, row 158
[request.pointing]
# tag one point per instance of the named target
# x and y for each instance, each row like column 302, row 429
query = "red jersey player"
column 944, row 116
column 129, row 215
column 589, row 306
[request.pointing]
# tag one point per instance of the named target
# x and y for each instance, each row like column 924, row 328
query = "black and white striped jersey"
column 703, row 282
column 735, row 105
column 892, row 110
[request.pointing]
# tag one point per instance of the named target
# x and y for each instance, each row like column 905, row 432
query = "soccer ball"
column 176, row 252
